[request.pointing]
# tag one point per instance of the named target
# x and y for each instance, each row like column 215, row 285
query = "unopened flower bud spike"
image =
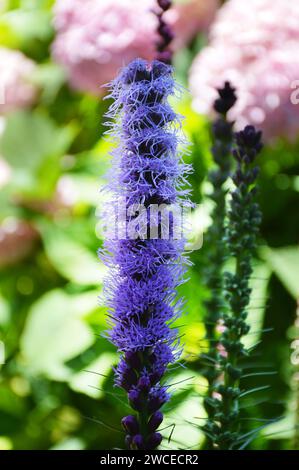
column 244, row 218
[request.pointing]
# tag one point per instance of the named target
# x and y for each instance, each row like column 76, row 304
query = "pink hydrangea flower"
column 95, row 38
column 255, row 47
column 16, row 88
column 189, row 18
column 17, row 238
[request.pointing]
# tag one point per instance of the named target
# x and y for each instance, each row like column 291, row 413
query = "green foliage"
column 284, row 262
column 68, row 256
column 50, row 320
column 32, row 144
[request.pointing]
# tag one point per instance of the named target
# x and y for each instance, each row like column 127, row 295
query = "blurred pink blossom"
column 256, row 48
column 97, row 37
column 17, row 238
column 189, row 18
column 5, row 173
column 16, row 88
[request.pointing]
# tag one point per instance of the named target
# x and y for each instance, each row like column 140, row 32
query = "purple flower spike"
column 145, row 271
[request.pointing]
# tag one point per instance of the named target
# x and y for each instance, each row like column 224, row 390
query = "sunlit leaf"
column 281, row 429
column 55, row 332
column 29, row 138
column 32, row 144
column 285, row 262
column 71, row 259
column 90, row 380
column 28, row 24
column 73, row 443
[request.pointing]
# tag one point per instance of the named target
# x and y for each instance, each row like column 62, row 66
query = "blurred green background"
column 56, row 385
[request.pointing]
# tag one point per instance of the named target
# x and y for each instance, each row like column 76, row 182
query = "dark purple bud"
column 166, row 33
column 155, row 403
column 164, row 4
column 135, row 400
column 129, row 378
column 249, row 138
column 155, row 420
column 164, row 56
column 138, row 441
column 226, row 100
column 144, row 384
column 154, row 441
column 155, row 376
column 130, row 424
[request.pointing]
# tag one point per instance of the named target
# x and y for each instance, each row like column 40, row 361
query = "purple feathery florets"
column 144, row 271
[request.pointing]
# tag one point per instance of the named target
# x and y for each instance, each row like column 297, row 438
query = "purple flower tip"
column 164, row 4
column 154, row 440
column 249, row 138
column 130, row 424
column 138, row 441
column 155, row 420
column 144, row 384
column 135, row 400
column 227, row 98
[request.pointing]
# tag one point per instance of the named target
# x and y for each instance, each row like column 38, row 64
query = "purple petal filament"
column 144, row 273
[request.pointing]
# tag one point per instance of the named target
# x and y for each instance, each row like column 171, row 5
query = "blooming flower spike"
column 144, row 271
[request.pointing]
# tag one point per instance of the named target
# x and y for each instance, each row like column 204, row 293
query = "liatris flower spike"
column 244, row 218
column 144, row 272
column 215, row 247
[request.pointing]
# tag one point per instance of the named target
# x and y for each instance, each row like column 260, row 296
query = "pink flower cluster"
column 16, row 88
column 255, row 46
column 17, row 238
column 95, row 38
